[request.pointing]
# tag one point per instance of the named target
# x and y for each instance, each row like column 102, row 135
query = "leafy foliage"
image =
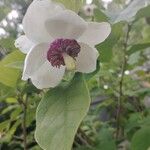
column 130, row 11
column 74, row 5
column 141, row 139
column 106, row 47
column 9, row 71
column 119, row 84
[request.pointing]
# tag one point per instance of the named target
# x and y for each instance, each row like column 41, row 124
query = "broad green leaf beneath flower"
column 8, row 74
column 141, row 139
column 74, row 5
column 60, row 113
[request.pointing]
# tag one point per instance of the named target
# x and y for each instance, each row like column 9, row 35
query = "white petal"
column 87, row 58
column 36, row 67
column 48, row 76
column 35, row 59
column 66, row 25
column 24, row 44
column 96, row 33
column 34, row 21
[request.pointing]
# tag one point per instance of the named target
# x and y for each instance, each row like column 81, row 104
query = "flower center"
column 63, row 52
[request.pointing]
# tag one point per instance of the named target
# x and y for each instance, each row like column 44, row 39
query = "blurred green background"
column 120, row 83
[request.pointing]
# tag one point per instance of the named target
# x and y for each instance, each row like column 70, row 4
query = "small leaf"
column 3, row 12
column 60, row 113
column 9, row 75
column 12, row 130
column 137, row 47
column 11, row 100
column 145, row 12
column 90, row 75
column 141, row 139
column 7, row 44
column 106, row 47
column 16, row 65
column 106, row 141
column 99, row 16
column 134, row 58
column 5, row 92
column 84, row 148
column 128, row 14
column 4, row 125
column 74, row 5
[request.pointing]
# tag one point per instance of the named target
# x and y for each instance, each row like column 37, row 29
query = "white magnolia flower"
column 57, row 39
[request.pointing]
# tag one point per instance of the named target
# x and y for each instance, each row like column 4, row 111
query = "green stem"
column 24, row 104
column 121, row 82
column 24, row 107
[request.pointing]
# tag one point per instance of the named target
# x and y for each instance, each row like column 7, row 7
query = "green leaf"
column 15, row 115
column 84, row 148
column 74, row 5
column 3, row 12
column 141, row 139
column 5, row 92
column 8, row 74
column 12, row 130
column 90, row 75
column 128, row 14
column 4, row 125
column 134, row 58
column 16, row 65
column 13, row 57
column 106, row 141
column 60, row 113
column 145, row 12
column 137, row 47
column 7, row 44
column 106, row 47
column 11, row 100
column 99, row 16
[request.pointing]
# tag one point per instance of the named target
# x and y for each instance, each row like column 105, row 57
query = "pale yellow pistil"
column 70, row 62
